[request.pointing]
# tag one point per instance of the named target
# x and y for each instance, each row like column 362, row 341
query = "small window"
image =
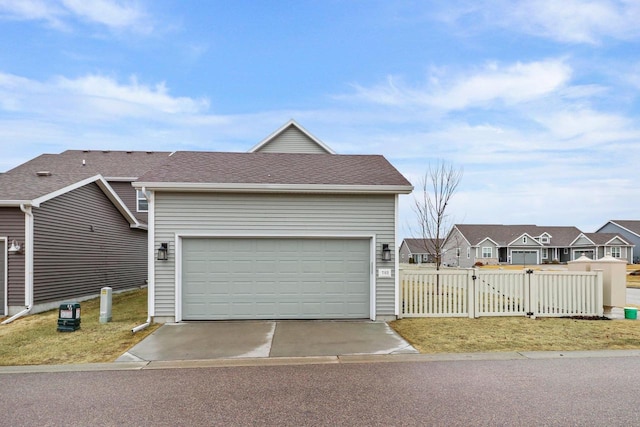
column 141, row 202
column 468, row 253
column 544, row 239
column 458, row 252
column 566, row 251
column 545, row 253
column 616, row 252
column 524, row 239
column 487, row 252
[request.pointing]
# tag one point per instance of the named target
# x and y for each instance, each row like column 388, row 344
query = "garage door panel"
column 275, row 278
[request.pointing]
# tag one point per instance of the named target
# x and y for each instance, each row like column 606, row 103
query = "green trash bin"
column 630, row 313
column 69, row 317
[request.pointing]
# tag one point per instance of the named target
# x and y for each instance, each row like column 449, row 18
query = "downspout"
column 28, row 292
column 150, row 264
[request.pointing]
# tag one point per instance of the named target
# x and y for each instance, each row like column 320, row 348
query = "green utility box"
column 69, row 317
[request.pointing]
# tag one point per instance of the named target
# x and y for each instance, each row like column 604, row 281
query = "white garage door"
column 240, row 278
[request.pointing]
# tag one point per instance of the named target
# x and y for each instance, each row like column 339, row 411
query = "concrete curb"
column 316, row 360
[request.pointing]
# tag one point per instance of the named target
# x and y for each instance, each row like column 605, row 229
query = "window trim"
column 490, row 252
column 618, row 249
column 140, row 198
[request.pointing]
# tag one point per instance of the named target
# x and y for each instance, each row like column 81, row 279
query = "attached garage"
column 275, row 278
column 289, row 230
column 524, row 257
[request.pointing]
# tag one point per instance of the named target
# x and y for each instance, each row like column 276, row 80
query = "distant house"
column 628, row 229
column 467, row 244
column 417, row 251
column 70, row 224
column 288, row 230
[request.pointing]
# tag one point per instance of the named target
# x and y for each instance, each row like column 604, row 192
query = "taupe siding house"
column 289, row 230
column 417, row 251
column 493, row 244
column 70, row 224
column 629, row 230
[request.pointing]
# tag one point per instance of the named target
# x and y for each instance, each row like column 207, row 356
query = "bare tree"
column 438, row 185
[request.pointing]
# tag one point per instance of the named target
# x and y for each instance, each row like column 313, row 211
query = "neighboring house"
column 70, row 224
column 289, row 230
column 467, row 244
column 629, row 230
column 417, row 251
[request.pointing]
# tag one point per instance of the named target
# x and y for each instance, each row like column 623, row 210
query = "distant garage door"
column 239, row 278
column 524, row 257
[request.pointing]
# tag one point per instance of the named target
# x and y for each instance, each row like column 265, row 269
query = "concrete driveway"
column 251, row 339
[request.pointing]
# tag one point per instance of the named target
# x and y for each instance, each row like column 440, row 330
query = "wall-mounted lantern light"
column 386, row 252
column 163, row 252
column 15, row 248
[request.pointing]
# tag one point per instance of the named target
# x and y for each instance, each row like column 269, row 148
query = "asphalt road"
column 550, row 392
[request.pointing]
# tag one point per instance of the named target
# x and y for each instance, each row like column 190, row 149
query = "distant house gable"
column 631, row 226
column 291, row 138
column 582, row 239
column 607, row 239
column 487, row 239
column 524, row 239
column 629, row 230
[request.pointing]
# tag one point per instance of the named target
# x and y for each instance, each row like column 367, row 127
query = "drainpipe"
column 150, row 261
column 28, row 265
column 143, row 326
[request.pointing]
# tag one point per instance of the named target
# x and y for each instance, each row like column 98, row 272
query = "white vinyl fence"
column 476, row 293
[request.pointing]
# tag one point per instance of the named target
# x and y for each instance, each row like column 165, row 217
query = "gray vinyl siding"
column 292, row 140
column 276, row 215
column 404, row 252
column 583, row 241
column 449, row 258
column 12, row 227
column 81, row 244
column 3, row 251
column 127, row 193
column 632, row 238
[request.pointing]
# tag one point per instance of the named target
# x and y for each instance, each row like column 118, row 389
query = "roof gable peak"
column 310, row 142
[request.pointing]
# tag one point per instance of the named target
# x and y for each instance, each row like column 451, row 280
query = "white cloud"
column 510, row 84
column 113, row 14
column 577, row 21
column 588, row 127
column 568, row 21
column 94, row 96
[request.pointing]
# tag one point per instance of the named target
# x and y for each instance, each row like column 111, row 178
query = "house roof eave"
column 274, row 188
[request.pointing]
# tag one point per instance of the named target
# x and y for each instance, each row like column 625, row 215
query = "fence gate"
column 476, row 293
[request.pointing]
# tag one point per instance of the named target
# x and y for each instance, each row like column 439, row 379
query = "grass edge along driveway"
column 34, row 339
column 494, row 334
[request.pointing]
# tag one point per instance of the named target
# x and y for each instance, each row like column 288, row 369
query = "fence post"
column 471, row 292
column 599, row 292
column 531, row 293
column 401, row 292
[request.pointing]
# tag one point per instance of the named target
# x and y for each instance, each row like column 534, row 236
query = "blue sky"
column 536, row 100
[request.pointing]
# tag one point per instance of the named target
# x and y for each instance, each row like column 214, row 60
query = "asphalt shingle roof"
column 275, row 168
column 419, row 246
column 630, row 225
column 505, row 234
column 24, row 183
